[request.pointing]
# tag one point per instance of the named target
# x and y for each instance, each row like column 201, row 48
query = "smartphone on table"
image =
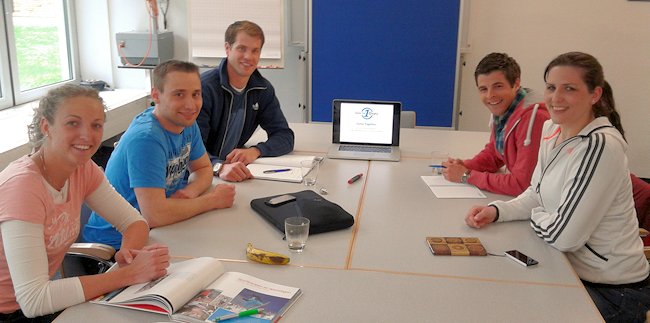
column 520, row 258
column 280, row 200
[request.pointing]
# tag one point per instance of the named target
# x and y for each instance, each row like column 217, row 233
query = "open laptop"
column 367, row 130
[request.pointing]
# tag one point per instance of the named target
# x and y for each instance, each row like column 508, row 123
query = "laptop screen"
column 366, row 122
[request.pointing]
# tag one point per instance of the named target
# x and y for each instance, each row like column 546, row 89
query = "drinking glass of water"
column 296, row 230
column 309, row 169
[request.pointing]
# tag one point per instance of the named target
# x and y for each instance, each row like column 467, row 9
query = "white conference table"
column 399, row 211
column 381, row 269
column 337, row 295
column 225, row 233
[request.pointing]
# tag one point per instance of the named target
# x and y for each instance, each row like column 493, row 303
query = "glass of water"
column 309, row 169
column 296, row 230
column 437, row 158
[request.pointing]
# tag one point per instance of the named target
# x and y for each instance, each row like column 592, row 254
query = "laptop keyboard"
column 369, row 149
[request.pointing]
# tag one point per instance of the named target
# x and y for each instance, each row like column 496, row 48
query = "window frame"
column 9, row 81
column 6, row 95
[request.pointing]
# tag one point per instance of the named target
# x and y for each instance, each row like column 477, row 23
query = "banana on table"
column 265, row 257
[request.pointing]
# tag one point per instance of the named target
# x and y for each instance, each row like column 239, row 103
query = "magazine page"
column 171, row 291
column 234, row 293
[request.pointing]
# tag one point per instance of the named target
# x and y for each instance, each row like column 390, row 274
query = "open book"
column 283, row 168
column 199, row 290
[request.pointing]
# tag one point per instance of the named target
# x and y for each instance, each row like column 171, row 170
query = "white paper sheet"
column 444, row 189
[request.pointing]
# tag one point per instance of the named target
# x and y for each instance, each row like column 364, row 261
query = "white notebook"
column 290, row 163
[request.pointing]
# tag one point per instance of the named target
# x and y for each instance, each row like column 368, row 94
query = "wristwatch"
column 465, row 176
column 217, row 167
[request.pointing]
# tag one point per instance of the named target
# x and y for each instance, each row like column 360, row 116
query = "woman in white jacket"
column 580, row 198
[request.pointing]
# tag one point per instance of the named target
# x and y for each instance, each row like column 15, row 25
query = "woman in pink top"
column 40, row 201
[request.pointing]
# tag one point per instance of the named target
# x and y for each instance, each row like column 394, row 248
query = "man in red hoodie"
column 516, row 129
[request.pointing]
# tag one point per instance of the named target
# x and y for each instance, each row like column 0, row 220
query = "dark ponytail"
column 605, row 108
column 593, row 76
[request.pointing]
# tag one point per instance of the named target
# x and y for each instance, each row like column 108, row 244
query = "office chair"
column 86, row 258
column 407, row 119
column 641, row 194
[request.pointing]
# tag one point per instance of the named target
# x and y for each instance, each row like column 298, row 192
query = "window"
column 37, row 49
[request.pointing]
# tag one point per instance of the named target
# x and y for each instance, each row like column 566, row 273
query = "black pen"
column 355, row 178
column 271, row 171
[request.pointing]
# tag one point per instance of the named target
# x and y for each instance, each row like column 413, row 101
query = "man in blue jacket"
column 237, row 99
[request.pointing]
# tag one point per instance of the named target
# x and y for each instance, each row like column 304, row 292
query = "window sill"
column 123, row 105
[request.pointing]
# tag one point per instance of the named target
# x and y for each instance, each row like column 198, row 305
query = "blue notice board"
column 386, row 50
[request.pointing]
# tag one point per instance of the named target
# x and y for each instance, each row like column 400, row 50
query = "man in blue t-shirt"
column 162, row 146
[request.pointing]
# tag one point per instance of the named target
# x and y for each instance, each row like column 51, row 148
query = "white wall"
column 93, row 38
column 97, row 23
column 102, row 20
column 617, row 32
column 127, row 15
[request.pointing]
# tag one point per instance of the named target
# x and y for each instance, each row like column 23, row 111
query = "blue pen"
column 271, row 171
column 437, row 166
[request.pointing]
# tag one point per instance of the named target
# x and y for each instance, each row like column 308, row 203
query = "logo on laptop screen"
column 367, row 113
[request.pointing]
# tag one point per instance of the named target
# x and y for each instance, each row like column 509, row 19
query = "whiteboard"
column 209, row 19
